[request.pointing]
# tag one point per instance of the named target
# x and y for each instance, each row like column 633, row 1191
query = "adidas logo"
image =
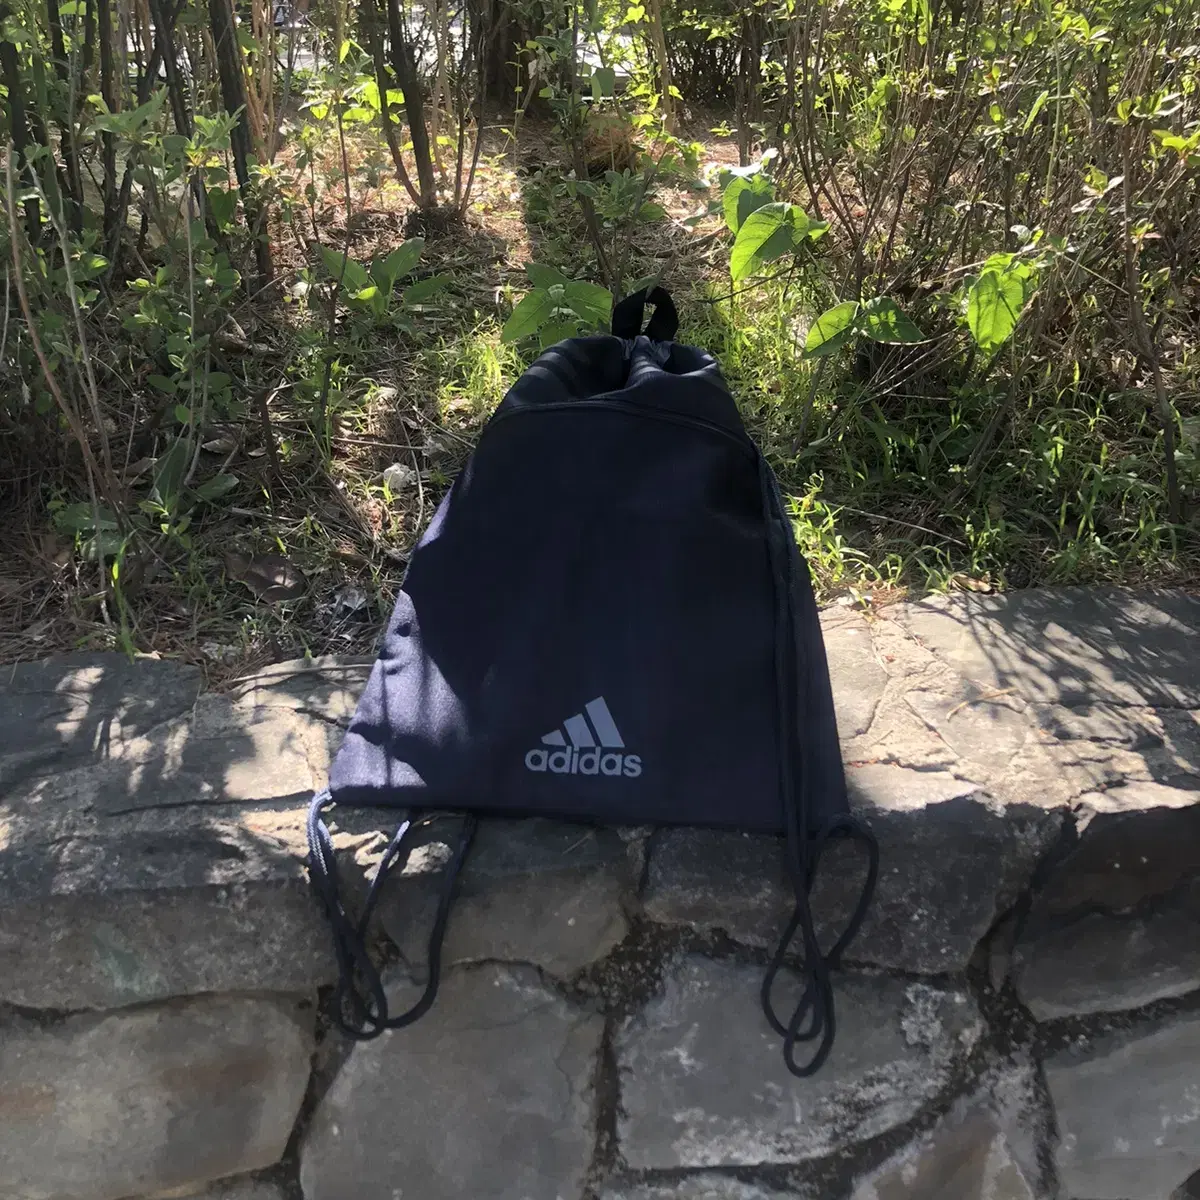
column 595, row 743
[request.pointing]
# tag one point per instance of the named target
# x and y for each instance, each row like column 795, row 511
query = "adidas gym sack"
column 607, row 620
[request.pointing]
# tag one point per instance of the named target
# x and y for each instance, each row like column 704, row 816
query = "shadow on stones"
column 1074, row 646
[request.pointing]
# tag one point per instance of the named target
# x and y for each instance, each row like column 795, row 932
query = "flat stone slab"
column 855, row 673
column 139, row 1102
column 490, row 1095
column 542, row 892
column 1128, row 1112
column 1116, row 923
column 1070, row 646
column 83, row 708
column 171, row 864
column 703, row 1083
column 950, row 863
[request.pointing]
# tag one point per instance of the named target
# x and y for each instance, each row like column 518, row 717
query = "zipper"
column 633, row 410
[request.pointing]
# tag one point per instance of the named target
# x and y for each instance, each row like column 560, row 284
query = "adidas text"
column 570, row 761
column 592, row 746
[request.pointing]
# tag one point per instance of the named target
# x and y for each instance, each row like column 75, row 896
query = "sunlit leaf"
column 744, row 195
column 766, row 234
column 832, row 329
column 590, row 302
column 994, row 307
column 399, row 262
column 529, row 316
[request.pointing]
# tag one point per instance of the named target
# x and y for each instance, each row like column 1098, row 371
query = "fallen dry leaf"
column 271, row 577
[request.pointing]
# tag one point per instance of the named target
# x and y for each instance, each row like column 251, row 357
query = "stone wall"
column 1021, row 1019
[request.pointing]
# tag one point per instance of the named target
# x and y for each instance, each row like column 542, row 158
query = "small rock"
column 1128, row 1112
column 489, row 1095
column 399, row 476
column 139, row 1102
column 703, row 1083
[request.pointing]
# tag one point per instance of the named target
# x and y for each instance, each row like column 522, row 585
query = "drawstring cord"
column 359, row 1004
column 813, row 1019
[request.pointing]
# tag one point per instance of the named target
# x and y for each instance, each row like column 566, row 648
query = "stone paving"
column 1020, row 1019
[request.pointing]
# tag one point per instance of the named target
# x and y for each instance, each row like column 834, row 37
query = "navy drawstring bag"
column 607, row 620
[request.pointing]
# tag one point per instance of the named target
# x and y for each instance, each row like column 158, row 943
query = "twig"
column 72, row 417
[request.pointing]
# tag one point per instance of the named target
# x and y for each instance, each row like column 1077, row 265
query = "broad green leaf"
column 183, row 414
column 425, row 289
column 883, row 320
column 398, row 264
column 214, row 488
column 743, row 195
column 169, row 472
column 162, row 383
column 218, row 380
column 767, row 233
column 556, row 331
column 832, row 329
column 223, row 203
column 354, row 278
column 529, row 316
column 366, row 295
column 589, row 301
column 993, row 308
column 604, row 82
column 543, row 276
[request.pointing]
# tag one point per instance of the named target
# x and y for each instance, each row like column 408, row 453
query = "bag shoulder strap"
column 813, row 1019
column 359, row 1005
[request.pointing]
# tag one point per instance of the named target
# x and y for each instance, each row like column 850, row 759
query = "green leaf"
column 169, row 472
column 216, row 487
column 604, row 82
column 183, row 414
column 397, row 264
column 1038, row 105
column 744, row 195
column 767, row 233
column 543, row 276
column 556, row 331
column 590, row 302
column 355, row 277
column 218, row 381
column 993, row 308
column 633, row 14
column 425, row 289
column 883, row 320
column 832, row 329
column 529, row 316
column 162, row 383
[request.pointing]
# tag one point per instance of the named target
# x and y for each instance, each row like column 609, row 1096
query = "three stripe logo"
column 592, row 746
